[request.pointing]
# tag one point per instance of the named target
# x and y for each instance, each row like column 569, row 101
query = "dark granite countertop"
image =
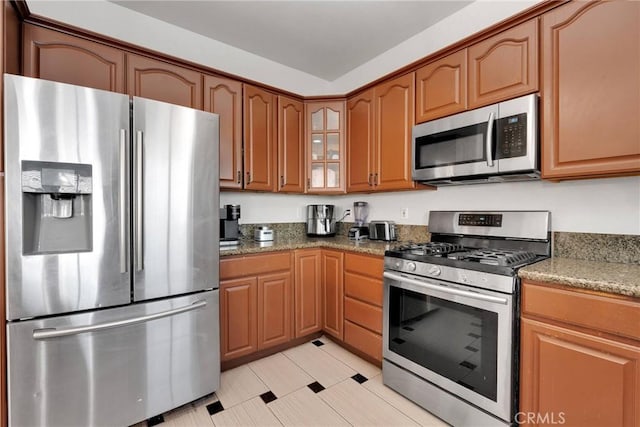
column 280, row 244
column 609, row 277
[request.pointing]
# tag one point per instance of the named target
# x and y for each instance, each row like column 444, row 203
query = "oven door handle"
column 489, row 145
column 445, row 289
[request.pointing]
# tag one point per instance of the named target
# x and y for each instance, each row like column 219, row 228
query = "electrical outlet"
column 404, row 213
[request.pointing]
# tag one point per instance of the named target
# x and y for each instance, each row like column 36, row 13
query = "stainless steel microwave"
column 496, row 143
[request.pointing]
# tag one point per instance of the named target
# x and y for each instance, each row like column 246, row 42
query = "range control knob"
column 434, row 270
column 411, row 266
column 398, row 264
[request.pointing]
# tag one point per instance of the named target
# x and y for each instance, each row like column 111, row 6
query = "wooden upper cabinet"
column 308, row 292
column 360, row 149
column 591, row 89
column 259, row 139
column 442, row 87
column 394, row 109
column 51, row 55
column 290, row 145
column 504, row 66
column 224, row 97
column 153, row 79
column 325, row 124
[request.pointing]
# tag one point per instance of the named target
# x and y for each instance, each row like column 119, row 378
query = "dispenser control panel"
column 56, row 178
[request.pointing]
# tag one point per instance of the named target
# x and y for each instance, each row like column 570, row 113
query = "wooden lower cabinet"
column 363, row 303
column 255, row 303
column 307, row 292
column 572, row 373
column 274, row 309
column 238, row 317
column 332, row 292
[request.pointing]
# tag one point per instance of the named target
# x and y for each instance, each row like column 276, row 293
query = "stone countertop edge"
column 608, row 277
column 247, row 247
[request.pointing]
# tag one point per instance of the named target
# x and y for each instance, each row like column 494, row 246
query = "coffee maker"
column 229, row 230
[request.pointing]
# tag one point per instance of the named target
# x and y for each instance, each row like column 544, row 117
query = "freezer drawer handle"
column 46, row 333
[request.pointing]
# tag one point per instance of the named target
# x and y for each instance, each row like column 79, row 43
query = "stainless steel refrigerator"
column 111, row 255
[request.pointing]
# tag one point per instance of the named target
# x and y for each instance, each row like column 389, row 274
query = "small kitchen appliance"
column 263, row 233
column 496, row 143
column 360, row 213
column 382, row 230
column 451, row 311
column 229, row 228
column 320, row 220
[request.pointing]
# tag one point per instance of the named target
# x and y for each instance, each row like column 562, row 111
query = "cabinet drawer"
column 366, row 265
column 607, row 314
column 363, row 288
column 363, row 314
column 363, row 339
column 254, row 265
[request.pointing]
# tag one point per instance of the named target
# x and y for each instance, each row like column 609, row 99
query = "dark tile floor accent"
column 268, row 397
column 317, row 343
column 316, row 387
column 153, row 421
column 215, row 407
column 359, row 378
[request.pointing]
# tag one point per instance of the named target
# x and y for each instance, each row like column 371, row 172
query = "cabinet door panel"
column 238, row 322
column 360, row 153
column 394, row 108
column 63, row 58
column 589, row 381
column 442, row 87
column 332, row 292
column 290, row 145
column 259, row 139
column 308, row 292
column 153, row 79
column 326, row 163
column 591, row 89
column 224, row 97
column 364, row 340
column 504, row 66
column 274, row 309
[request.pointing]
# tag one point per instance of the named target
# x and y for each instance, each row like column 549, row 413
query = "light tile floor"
column 317, row 383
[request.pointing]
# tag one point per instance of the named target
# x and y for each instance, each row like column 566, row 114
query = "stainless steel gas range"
column 451, row 310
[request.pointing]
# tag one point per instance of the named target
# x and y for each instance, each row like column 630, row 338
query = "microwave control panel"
column 512, row 136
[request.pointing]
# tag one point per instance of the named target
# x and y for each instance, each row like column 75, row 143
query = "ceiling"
column 323, row 38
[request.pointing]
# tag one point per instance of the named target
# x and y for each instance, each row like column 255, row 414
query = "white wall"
column 595, row 206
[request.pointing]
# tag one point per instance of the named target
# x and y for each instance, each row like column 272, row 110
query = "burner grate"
column 429, row 248
column 496, row 257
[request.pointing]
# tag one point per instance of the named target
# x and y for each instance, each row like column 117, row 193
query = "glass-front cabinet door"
column 326, row 148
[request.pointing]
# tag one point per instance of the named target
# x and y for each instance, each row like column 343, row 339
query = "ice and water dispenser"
column 56, row 207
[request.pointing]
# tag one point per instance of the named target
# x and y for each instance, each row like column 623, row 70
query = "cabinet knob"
column 281, row 180
column 375, row 179
column 239, row 176
column 248, row 177
column 369, row 181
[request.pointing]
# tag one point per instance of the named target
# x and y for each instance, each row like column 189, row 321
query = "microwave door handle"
column 489, row 143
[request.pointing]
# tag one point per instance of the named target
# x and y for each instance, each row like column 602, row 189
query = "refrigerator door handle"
column 123, row 203
column 139, row 249
column 46, row 333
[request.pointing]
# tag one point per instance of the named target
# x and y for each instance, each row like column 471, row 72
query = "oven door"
column 457, row 337
column 455, row 146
